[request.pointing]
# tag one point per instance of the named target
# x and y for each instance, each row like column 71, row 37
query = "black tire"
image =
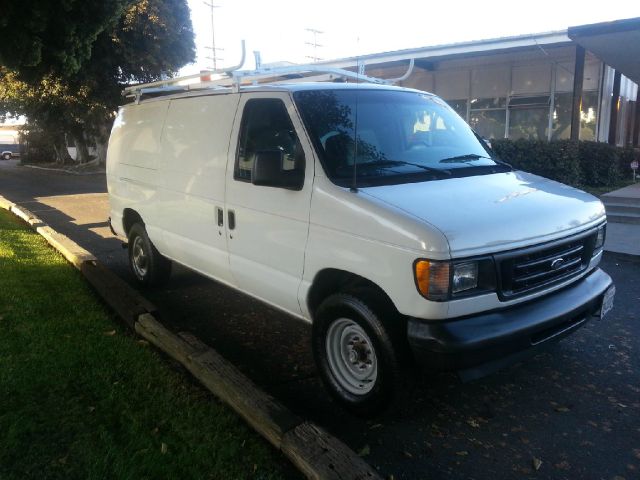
column 146, row 263
column 384, row 328
column 6, row 156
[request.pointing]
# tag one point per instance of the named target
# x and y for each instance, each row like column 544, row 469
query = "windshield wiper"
column 423, row 167
column 467, row 156
column 473, row 156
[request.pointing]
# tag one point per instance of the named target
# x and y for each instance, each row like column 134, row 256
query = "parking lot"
column 571, row 412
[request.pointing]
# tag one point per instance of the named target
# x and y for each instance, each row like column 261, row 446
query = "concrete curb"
column 316, row 453
column 74, row 253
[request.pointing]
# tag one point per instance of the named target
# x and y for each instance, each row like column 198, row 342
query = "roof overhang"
column 616, row 43
column 425, row 55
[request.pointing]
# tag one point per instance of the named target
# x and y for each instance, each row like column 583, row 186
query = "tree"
column 41, row 37
column 64, row 89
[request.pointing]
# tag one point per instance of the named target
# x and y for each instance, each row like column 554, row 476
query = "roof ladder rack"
column 235, row 78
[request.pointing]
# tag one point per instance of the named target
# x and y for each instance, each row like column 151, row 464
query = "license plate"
column 607, row 301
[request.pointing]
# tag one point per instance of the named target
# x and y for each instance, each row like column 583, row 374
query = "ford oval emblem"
column 557, row 263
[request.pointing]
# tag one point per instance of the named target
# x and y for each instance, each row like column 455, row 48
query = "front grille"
column 531, row 269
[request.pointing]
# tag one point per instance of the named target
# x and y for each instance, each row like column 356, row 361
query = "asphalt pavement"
column 571, row 412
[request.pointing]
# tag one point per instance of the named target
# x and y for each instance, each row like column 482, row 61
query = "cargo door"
column 195, row 147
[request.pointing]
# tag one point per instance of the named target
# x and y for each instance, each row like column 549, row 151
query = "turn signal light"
column 432, row 279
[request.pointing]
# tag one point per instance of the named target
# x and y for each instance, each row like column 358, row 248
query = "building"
column 579, row 83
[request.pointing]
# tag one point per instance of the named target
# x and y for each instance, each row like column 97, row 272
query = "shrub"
column 579, row 164
column 558, row 160
column 600, row 164
column 36, row 147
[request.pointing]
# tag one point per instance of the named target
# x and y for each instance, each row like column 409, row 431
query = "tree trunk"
column 62, row 154
column 81, row 146
column 101, row 141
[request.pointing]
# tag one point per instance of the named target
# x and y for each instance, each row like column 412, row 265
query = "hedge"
column 579, row 164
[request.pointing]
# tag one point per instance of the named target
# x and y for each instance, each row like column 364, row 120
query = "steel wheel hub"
column 351, row 356
column 139, row 258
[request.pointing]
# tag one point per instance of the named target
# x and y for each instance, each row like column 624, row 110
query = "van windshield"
column 392, row 136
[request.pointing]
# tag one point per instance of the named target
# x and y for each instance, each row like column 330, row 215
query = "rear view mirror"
column 268, row 171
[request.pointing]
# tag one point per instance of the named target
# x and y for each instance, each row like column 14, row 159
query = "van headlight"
column 465, row 277
column 442, row 280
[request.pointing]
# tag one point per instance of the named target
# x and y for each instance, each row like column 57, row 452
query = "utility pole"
column 214, row 51
column 314, row 58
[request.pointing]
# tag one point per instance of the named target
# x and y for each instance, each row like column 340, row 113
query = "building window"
column 588, row 116
column 561, row 129
column 489, row 116
column 562, row 116
column 489, row 123
column 459, row 106
column 484, row 103
column 529, row 117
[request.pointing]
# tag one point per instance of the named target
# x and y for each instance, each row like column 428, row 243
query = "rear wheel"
column 147, row 264
column 359, row 357
column 6, row 156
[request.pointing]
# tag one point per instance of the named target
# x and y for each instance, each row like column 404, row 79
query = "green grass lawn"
column 82, row 398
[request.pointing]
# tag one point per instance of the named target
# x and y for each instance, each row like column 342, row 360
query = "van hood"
column 489, row 213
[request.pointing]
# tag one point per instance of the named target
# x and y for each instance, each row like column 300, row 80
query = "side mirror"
column 268, row 171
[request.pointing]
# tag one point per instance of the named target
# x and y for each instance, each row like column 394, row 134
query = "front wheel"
column 147, row 264
column 357, row 355
column 6, row 156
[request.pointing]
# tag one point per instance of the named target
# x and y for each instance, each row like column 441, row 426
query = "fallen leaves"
column 110, row 333
column 537, row 463
column 473, row 423
column 560, row 408
column 364, row 451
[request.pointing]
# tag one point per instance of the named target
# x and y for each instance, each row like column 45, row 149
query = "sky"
column 277, row 28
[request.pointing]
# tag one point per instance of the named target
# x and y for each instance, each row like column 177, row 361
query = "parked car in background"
column 9, row 150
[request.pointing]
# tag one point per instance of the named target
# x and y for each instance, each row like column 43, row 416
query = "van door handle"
column 231, row 218
column 220, row 216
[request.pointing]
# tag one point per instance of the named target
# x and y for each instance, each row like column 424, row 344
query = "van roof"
column 285, row 86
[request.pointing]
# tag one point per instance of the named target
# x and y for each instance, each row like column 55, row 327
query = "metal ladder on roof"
column 235, row 78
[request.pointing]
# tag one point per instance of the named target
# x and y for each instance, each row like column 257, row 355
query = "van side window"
column 266, row 126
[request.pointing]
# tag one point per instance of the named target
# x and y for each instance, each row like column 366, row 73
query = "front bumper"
column 478, row 345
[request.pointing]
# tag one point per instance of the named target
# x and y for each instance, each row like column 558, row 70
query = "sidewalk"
column 623, row 237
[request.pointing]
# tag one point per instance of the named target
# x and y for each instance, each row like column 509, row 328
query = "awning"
column 616, row 43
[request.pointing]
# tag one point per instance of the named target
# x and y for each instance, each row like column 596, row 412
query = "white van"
column 373, row 212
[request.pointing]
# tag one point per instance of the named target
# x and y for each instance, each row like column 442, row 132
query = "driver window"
column 266, row 126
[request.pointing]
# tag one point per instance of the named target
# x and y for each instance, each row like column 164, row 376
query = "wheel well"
column 129, row 218
column 330, row 281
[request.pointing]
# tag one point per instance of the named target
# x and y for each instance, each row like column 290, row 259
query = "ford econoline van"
column 373, row 212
